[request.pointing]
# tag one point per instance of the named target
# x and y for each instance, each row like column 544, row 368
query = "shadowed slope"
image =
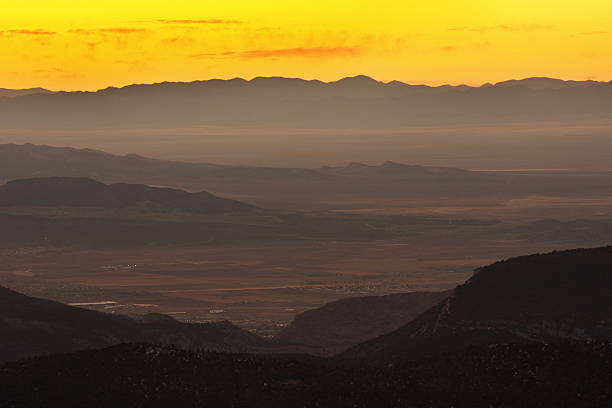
column 541, row 298
column 31, row 326
column 339, row 325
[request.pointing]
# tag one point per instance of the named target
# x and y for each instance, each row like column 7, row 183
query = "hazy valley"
column 307, row 240
column 379, row 230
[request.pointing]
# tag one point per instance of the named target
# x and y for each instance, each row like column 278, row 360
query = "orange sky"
column 68, row 44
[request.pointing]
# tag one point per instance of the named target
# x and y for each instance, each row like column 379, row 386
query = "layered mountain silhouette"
column 264, row 186
column 540, row 83
column 31, row 326
column 59, row 211
column 291, row 188
column 12, row 93
column 342, row 324
column 29, row 161
column 84, row 192
column 351, row 102
column 539, row 298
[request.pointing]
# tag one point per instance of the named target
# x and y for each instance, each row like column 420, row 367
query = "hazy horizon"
column 433, row 84
column 466, row 41
column 280, row 122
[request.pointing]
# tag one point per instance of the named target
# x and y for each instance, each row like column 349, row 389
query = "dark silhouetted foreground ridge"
column 140, row 375
column 339, row 325
column 539, row 298
column 31, row 326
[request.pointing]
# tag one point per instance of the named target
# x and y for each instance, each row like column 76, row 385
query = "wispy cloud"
column 59, row 72
column 114, row 30
column 206, row 21
column 595, row 33
column 122, row 30
column 449, row 48
column 128, row 62
column 214, row 54
column 82, row 31
column 300, row 52
column 286, row 53
column 179, row 40
column 92, row 45
column 504, row 27
column 27, row 32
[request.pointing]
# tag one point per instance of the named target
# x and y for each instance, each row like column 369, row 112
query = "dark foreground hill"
column 31, row 326
column 538, row 298
column 84, row 192
column 339, row 325
column 140, row 375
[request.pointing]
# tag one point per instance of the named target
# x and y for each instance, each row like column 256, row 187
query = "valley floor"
column 260, row 287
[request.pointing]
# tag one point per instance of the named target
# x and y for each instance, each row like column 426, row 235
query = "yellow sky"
column 69, row 44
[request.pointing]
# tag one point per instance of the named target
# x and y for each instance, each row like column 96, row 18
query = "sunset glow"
column 69, row 45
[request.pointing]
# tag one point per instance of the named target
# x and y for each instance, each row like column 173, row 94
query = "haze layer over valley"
column 130, row 234
column 257, row 200
column 535, row 123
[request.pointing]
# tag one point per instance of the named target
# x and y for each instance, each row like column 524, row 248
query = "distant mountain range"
column 85, row 192
column 12, row 93
column 267, row 186
column 351, row 102
column 31, row 161
column 539, row 298
column 31, row 326
column 539, row 83
column 58, row 211
column 291, row 188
